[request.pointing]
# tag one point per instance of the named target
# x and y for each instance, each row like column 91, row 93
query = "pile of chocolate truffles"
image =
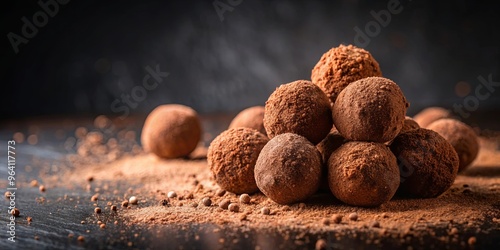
column 346, row 131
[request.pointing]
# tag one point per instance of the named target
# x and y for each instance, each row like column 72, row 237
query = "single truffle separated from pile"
column 299, row 107
column 232, row 156
column 341, row 66
column 462, row 138
column 288, row 169
column 252, row 117
column 363, row 173
column 370, row 109
column 428, row 163
column 429, row 115
column 171, row 131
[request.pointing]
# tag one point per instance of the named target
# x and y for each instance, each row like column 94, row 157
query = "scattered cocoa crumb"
column 102, row 226
column 29, row 219
column 233, row 207
column 15, row 212
column 220, row 192
column 172, row 194
column 113, row 208
column 7, row 195
column 472, row 241
column 376, row 224
column 133, row 200
column 164, row 202
column 265, row 211
column 353, row 216
column 245, row 198
column 37, row 237
column 81, row 238
column 82, row 222
column 125, row 204
column 42, row 188
column 326, row 221
column 34, row 183
column 70, row 235
column 206, row 201
column 337, row 218
column 90, row 178
column 97, row 210
column 94, row 197
column 321, row 245
column 224, row 204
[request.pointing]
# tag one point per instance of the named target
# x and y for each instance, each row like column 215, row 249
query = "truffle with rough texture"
column 171, row 131
column 288, row 169
column 231, row 157
column 428, row 164
column 252, row 117
column 298, row 107
column 370, row 109
column 341, row 66
column 363, row 173
column 462, row 138
column 409, row 124
column 429, row 115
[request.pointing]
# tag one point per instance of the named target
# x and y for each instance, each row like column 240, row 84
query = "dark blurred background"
column 225, row 55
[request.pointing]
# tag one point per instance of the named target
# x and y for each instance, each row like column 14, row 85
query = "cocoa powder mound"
column 341, row 66
column 299, row 107
column 462, row 138
column 232, row 156
column 428, row 163
column 370, row 109
column 363, row 174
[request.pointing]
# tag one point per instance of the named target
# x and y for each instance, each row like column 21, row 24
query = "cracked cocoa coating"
column 370, row 109
column 409, row 124
column 298, row 107
column 171, row 131
column 429, row 115
column 428, row 163
column 288, row 169
column 232, row 156
column 462, row 138
column 341, row 66
column 363, row 173
column 252, row 117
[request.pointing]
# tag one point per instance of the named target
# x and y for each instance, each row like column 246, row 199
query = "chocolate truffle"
column 431, row 114
column 428, row 164
column 231, row 157
column 288, row 169
column 462, row 138
column 341, row 66
column 370, row 109
column 299, row 107
column 326, row 147
column 171, row 131
column 252, row 117
column 409, row 124
column 363, row 173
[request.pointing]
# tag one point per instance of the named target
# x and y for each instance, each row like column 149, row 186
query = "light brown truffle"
column 252, row 117
column 371, row 109
column 171, row 131
column 298, row 107
column 288, row 169
column 462, row 138
column 363, row 173
column 341, row 66
column 428, row 164
column 409, row 124
column 429, row 115
column 232, row 156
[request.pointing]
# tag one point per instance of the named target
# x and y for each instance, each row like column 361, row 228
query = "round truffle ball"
column 288, row 169
column 370, row 109
column 462, row 138
column 409, row 124
column 252, row 117
column 428, row 164
column 171, row 131
column 431, row 114
column 341, row 66
column 363, row 173
column 299, row 107
column 232, row 156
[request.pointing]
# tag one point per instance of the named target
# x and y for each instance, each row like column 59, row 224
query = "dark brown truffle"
column 363, row 173
column 428, row 164
column 288, row 169
column 341, row 66
column 171, row 131
column 252, row 117
column 431, row 114
column 299, row 107
column 232, row 156
column 371, row 109
column 462, row 138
